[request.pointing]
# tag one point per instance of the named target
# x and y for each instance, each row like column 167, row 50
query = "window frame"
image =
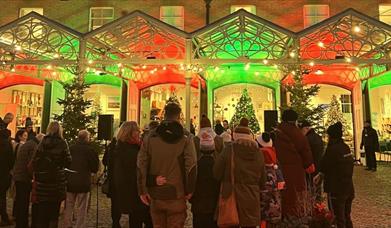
column 162, row 17
column 90, row 18
column 235, row 8
column 30, row 9
column 319, row 16
column 345, row 105
column 385, row 15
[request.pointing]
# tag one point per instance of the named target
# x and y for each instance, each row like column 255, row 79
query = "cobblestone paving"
column 371, row 207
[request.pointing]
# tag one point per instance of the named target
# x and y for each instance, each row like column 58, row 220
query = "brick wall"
column 287, row 13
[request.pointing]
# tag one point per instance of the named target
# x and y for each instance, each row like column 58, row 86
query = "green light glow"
column 381, row 80
column 92, row 78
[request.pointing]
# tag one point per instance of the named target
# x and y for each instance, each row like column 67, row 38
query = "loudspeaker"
column 105, row 127
column 271, row 120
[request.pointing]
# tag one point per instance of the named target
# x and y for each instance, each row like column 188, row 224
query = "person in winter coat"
column 108, row 161
column 295, row 158
column 23, row 177
column 49, row 176
column 337, row 168
column 125, row 192
column 204, row 201
column 29, row 128
column 168, row 152
column 85, row 161
column 21, row 137
column 249, row 174
column 6, row 164
column 370, row 142
column 315, row 141
column 219, row 129
column 271, row 192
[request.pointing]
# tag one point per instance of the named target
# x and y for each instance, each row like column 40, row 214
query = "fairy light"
column 292, row 54
column 119, row 64
column 144, row 67
column 321, row 44
column 319, row 72
column 357, row 68
column 312, row 64
column 356, row 29
column 293, row 72
column 12, row 69
column 54, row 73
column 88, row 69
column 56, row 56
column 265, row 61
column 200, row 69
column 217, row 68
column 247, row 67
column 49, row 67
column 18, row 48
column 349, row 60
column 164, row 68
column 256, row 73
column 90, row 61
column 275, row 66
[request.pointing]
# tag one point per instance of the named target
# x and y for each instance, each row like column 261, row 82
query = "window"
column 249, row 8
column 313, row 14
column 385, row 13
column 346, row 103
column 100, row 16
column 173, row 15
column 25, row 11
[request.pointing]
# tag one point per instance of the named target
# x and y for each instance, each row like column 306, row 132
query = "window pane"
column 100, row 16
column 25, row 11
column 173, row 15
column 314, row 14
column 385, row 13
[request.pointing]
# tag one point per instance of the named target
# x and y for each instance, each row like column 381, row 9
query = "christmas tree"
column 334, row 115
column 74, row 117
column 244, row 108
column 300, row 101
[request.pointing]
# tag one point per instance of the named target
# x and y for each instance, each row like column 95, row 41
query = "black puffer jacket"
column 48, row 169
column 337, row 167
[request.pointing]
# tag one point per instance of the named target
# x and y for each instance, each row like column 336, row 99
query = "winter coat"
column 107, row 161
column 317, row 147
column 85, row 161
column 49, row 162
column 125, row 177
column 205, row 197
column 337, row 167
column 167, row 151
column 294, row 156
column 370, row 140
column 249, row 178
column 6, row 159
column 23, row 158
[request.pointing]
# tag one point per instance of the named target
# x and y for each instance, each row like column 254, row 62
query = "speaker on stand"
column 270, row 120
column 105, row 132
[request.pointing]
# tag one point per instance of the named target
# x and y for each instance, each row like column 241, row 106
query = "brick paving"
column 371, row 207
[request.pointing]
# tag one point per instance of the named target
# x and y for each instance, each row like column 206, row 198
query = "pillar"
column 124, row 101
column 188, row 99
column 203, row 99
column 283, row 96
column 366, row 101
column 133, row 101
column 47, row 100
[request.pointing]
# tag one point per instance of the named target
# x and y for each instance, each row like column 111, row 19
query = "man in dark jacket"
column 6, row 120
column 169, row 152
column 85, row 161
column 315, row 141
column 23, row 177
column 6, row 164
column 370, row 142
column 337, row 168
column 295, row 157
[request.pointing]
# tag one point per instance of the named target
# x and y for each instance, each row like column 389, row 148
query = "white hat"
column 264, row 140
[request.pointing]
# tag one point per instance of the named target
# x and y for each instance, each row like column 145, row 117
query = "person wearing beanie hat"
column 208, row 144
column 295, row 159
column 337, row 169
column 270, row 193
column 248, row 171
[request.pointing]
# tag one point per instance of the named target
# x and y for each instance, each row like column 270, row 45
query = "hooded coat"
column 167, row 151
column 49, row 162
column 6, row 159
column 249, row 178
column 294, row 156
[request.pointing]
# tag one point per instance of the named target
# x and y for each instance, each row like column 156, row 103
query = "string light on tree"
column 245, row 109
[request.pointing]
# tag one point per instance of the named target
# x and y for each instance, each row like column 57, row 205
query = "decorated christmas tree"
column 300, row 101
column 244, row 108
column 334, row 115
column 74, row 117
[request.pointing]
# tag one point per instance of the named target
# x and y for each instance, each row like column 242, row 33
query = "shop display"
column 29, row 105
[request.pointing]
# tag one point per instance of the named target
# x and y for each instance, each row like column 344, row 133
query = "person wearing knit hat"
column 248, row 171
column 295, row 159
column 270, row 193
column 207, row 144
column 337, row 169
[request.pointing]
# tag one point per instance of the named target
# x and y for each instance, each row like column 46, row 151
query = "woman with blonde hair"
column 49, row 179
column 124, row 193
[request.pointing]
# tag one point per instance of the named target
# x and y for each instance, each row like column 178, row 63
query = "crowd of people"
column 230, row 176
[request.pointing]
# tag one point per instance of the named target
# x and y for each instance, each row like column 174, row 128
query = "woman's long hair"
column 19, row 134
column 126, row 130
column 55, row 129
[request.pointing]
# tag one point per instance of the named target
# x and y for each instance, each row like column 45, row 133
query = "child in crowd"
column 270, row 194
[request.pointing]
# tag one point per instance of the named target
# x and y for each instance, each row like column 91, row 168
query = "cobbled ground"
column 371, row 206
